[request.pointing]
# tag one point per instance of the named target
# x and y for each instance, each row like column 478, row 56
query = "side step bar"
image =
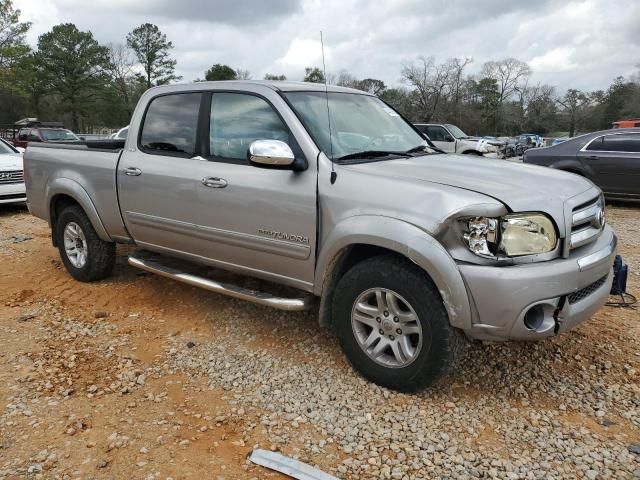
column 261, row 298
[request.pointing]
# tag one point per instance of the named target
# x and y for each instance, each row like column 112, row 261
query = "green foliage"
column 270, row 76
column 151, row 47
column 73, row 65
column 220, row 72
column 12, row 35
column 313, row 75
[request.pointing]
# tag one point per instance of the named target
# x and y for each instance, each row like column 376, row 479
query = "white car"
column 121, row 134
column 12, row 188
column 451, row 139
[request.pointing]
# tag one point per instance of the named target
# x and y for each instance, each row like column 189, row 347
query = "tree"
column 313, row 75
column 243, row 74
column 12, row 35
column 509, row 74
column 429, row 81
column 151, row 48
column 30, row 78
column 371, row 85
column 269, row 76
column 574, row 103
column 123, row 76
column 220, row 72
column 74, row 66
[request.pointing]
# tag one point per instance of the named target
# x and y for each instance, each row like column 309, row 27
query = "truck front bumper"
column 13, row 193
column 537, row 300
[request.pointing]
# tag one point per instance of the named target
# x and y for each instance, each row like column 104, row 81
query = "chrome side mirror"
column 271, row 153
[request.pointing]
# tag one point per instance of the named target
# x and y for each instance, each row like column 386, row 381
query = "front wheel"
column 392, row 324
column 85, row 255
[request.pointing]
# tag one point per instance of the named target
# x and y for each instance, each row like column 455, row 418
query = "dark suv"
column 43, row 134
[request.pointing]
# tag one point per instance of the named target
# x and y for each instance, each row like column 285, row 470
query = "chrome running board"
column 261, row 298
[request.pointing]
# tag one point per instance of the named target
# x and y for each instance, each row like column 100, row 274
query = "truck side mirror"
column 270, row 153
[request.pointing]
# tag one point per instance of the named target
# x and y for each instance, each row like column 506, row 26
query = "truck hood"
column 11, row 161
column 521, row 187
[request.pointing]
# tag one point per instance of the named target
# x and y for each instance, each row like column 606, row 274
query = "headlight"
column 518, row 234
column 527, row 234
column 481, row 236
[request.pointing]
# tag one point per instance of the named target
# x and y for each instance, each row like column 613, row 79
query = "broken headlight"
column 513, row 235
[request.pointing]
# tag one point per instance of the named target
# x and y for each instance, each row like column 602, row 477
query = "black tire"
column 101, row 255
column 441, row 344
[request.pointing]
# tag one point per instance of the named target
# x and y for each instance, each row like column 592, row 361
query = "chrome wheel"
column 386, row 327
column 75, row 245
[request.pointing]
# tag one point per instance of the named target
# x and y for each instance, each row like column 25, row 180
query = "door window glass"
column 437, row 134
column 597, row 144
column 239, row 119
column 170, row 125
column 622, row 143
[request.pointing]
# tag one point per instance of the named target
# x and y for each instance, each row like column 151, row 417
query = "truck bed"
column 88, row 168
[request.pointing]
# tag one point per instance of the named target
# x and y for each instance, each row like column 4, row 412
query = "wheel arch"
column 377, row 235
column 64, row 192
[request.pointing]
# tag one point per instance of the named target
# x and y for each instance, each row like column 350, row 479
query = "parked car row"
column 44, row 135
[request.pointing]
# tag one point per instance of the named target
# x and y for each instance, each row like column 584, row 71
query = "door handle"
column 132, row 171
column 214, row 182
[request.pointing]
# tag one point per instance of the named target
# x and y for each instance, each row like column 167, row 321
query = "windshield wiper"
column 419, row 148
column 372, row 154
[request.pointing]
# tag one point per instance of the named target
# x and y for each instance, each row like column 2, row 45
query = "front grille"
column 583, row 293
column 15, row 176
column 587, row 222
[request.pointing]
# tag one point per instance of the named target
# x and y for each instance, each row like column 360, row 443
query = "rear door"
column 158, row 180
column 257, row 220
column 615, row 162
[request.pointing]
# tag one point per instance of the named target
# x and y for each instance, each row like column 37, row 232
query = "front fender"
column 71, row 188
column 409, row 241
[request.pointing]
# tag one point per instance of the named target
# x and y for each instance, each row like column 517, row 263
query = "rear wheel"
column 85, row 255
column 392, row 324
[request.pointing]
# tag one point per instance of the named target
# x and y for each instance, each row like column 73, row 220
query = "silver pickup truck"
column 335, row 197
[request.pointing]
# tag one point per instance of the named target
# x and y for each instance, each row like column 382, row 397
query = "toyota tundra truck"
column 330, row 195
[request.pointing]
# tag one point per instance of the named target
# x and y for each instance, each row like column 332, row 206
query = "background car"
column 12, row 188
column 451, row 139
column 609, row 158
column 43, row 134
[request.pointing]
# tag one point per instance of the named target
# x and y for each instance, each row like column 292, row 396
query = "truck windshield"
column 4, row 148
column 57, row 135
column 359, row 124
column 456, row 132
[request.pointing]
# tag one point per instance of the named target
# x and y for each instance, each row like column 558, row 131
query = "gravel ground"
column 173, row 382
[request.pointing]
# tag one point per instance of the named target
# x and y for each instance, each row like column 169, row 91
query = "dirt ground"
column 85, row 391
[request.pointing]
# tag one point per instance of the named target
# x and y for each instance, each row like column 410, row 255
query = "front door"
column 615, row 162
column 258, row 220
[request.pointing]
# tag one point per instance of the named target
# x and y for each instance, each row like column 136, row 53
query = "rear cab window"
column 170, row 125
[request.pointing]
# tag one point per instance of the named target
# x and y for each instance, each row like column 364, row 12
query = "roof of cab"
column 281, row 86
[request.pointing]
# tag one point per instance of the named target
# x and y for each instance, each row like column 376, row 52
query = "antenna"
column 334, row 174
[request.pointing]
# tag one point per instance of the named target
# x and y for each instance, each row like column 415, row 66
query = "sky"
column 582, row 44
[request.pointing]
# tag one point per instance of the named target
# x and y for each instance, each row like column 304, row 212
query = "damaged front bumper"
column 537, row 300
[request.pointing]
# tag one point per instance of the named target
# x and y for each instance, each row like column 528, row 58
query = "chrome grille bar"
column 587, row 223
column 15, row 176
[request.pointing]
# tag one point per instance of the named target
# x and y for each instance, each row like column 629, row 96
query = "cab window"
column 237, row 120
column 170, row 125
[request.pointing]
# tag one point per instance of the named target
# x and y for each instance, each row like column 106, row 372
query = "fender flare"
column 409, row 241
column 71, row 188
